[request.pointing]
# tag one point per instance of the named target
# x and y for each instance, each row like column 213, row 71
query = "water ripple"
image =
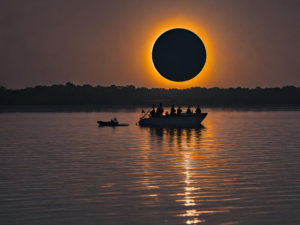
column 60, row 168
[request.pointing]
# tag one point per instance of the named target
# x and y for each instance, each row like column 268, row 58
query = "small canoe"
column 111, row 124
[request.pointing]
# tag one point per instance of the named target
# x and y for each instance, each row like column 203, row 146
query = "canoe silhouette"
column 110, row 124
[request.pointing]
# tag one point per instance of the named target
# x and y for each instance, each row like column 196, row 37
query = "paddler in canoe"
column 111, row 123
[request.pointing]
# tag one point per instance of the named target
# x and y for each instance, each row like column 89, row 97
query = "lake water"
column 242, row 167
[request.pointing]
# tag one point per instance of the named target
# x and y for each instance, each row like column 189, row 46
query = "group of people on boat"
column 173, row 112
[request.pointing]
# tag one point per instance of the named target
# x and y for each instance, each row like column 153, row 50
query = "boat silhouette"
column 110, row 124
column 179, row 121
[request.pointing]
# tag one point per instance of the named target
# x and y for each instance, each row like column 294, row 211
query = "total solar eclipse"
column 178, row 55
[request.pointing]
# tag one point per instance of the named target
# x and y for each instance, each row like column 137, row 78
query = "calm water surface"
column 61, row 168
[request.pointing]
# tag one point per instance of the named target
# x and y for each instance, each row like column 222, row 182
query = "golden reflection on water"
column 185, row 140
column 189, row 189
column 187, row 146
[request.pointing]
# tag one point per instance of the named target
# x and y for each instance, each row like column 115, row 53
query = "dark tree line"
column 70, row 94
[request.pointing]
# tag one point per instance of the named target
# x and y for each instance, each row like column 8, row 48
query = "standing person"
column 198, row 110
column 152, row 112
column 188, row 111
column 173, row 111
column 159, row 110
column 179, row 110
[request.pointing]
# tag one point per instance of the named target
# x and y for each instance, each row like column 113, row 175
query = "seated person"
column 116, row 121
column 152, row 113
column 167, row 114
column 159, row 110
column 198, row 110
column 173, row 111
column 179, row 110
column 188, row 111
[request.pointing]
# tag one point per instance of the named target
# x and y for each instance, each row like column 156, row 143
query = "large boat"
column 180, row 121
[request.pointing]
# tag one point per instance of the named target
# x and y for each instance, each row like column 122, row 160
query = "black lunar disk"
column 178, row 55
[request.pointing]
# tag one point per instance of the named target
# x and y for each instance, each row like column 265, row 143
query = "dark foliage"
column 70, row 94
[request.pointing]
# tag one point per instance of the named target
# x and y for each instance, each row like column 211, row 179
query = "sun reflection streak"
column 190, row 161
column 189, row 166
column 189, row 201
column 194, row 221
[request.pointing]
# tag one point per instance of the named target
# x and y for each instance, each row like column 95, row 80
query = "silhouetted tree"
column 70, row 94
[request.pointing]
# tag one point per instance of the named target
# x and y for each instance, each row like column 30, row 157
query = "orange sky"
column 156, row 78
column 93, row 42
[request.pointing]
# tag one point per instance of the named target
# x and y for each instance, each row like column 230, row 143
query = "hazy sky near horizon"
column 249, row 43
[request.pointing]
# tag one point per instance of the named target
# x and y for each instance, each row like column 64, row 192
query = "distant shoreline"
column 70, row 95
column 123, row 108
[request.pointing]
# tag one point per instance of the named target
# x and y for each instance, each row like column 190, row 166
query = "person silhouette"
column 172, row 111
column 188, row 111
column 179, row 110
column 116, row 121
column 159, row 110
column 198, row 110
column 152, row 113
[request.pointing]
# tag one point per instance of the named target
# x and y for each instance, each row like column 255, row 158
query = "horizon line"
column 131, row 85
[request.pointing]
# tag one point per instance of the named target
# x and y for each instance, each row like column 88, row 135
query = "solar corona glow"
column 178, row 55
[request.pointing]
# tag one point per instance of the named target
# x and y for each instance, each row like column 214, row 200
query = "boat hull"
column 181, row 121
column 111, row 124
